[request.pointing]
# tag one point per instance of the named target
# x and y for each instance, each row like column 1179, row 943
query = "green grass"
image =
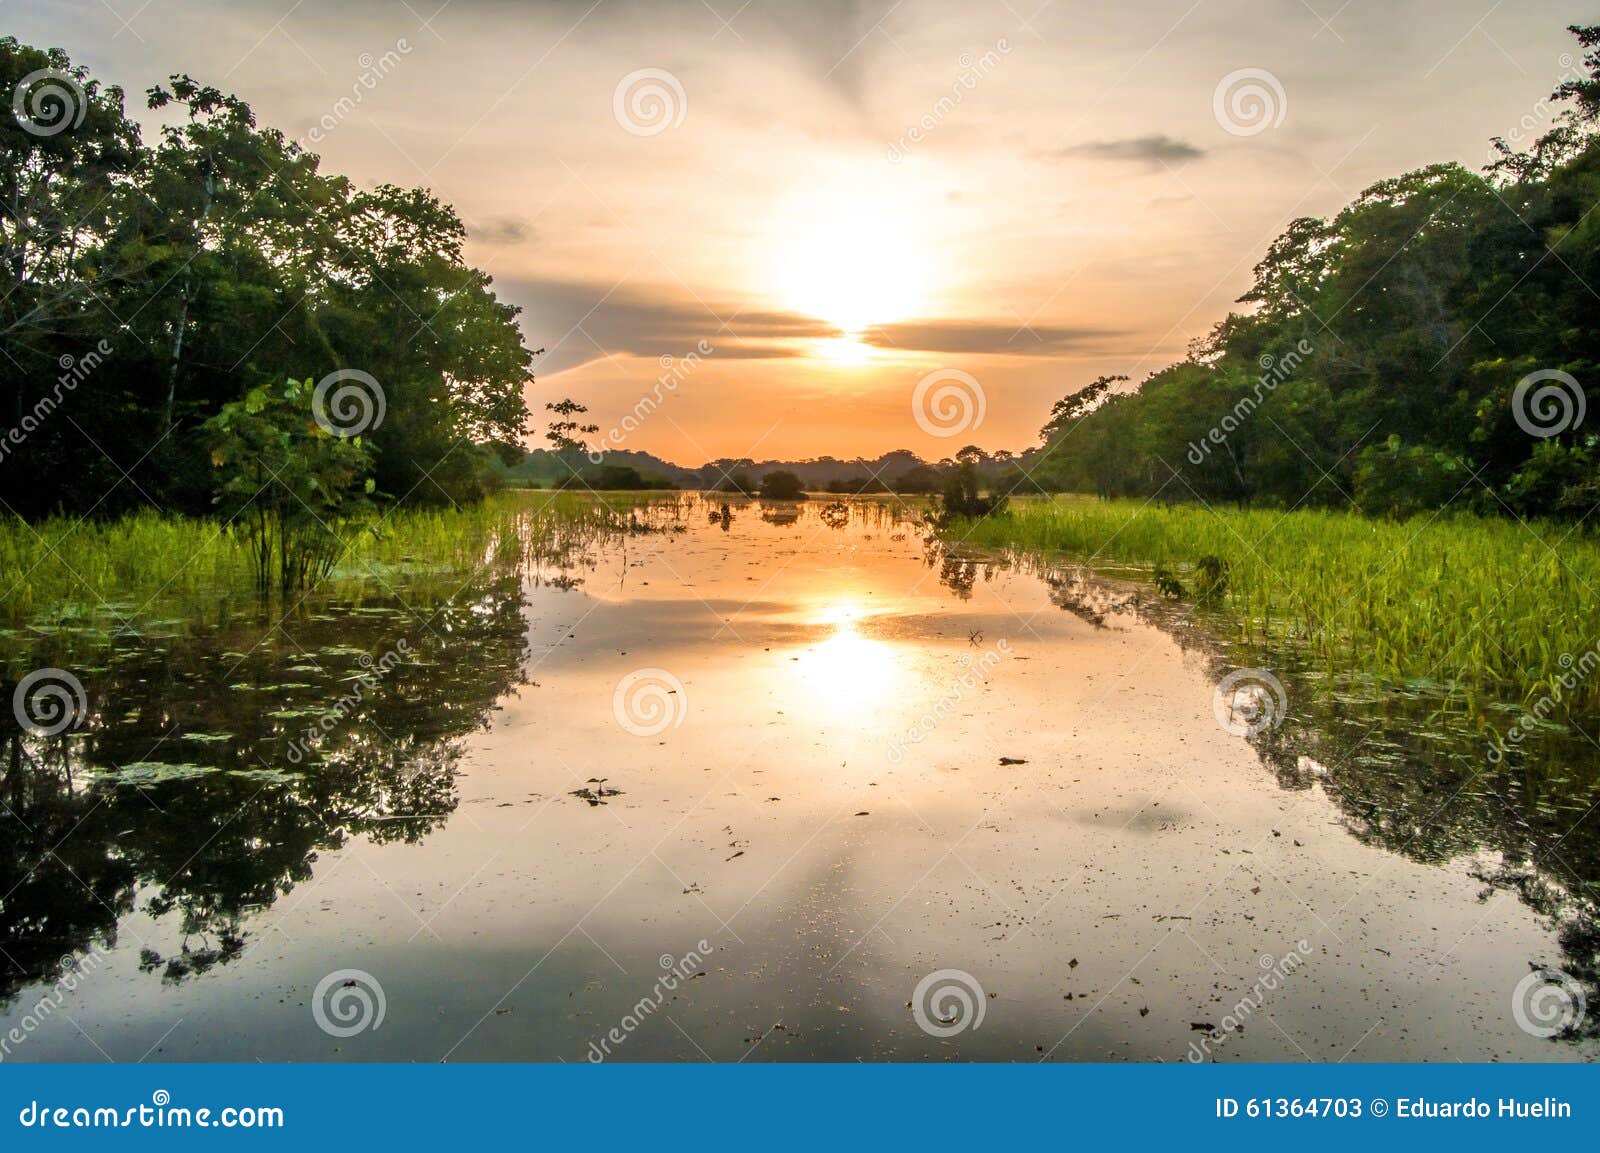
column 1480, row 605
column 153, row 564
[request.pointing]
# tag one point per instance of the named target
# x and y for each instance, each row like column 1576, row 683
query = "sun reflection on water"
column 848, row 673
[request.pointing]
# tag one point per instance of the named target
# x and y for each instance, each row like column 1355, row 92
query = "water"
column 734, row 788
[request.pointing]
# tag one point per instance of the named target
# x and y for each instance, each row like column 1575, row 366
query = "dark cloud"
column 500, row 230
column 1157, row 148
column 999, row 338
column 581, row 321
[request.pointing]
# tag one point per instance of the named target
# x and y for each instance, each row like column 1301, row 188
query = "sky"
column 849, row 226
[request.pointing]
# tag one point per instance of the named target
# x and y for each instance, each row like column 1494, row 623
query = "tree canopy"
column 1429, row 345
column 150, row 284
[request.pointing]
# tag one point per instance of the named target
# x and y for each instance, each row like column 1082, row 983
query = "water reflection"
column 220, row 769
column 211, row 771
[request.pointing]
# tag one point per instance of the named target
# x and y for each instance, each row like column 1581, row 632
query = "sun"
column 852, row 258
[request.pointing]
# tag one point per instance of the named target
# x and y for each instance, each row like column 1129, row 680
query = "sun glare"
column 852, row 258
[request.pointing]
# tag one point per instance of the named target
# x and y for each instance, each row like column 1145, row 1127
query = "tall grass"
column 152, row 564
column 1471, row 603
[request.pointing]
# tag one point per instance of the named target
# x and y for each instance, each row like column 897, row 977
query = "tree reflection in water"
column 192, row 792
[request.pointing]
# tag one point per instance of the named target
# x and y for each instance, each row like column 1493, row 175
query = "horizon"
column 1002, row 204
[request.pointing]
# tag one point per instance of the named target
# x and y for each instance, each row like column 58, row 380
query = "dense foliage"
column 1427, row 346
column 149, row 284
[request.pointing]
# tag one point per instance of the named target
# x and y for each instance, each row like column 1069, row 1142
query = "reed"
column 1451, row 600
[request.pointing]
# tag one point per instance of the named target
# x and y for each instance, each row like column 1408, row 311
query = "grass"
column 150, row 563
column 1479, row 605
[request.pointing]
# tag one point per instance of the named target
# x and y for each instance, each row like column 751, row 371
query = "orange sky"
column 838, row 199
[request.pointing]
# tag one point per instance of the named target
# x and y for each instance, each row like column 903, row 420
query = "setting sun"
column 853, row 258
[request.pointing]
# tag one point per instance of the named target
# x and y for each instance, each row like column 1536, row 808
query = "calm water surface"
column 733, row 787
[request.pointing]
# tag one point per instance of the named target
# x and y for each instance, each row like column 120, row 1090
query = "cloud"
column 500, row 230
column 577, row 322
column 1157, row 148
column 998, row 338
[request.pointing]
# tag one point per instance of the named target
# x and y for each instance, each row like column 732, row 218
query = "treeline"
column 149, row 284
column 1429, row 345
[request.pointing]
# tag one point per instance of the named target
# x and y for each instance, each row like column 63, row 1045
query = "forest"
column 1429, row 345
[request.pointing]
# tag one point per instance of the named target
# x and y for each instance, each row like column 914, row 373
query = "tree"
column 566, row 432
column 782, row 485
column 291, row 485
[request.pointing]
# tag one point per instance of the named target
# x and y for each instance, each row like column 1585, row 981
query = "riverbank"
column 1460, row 603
